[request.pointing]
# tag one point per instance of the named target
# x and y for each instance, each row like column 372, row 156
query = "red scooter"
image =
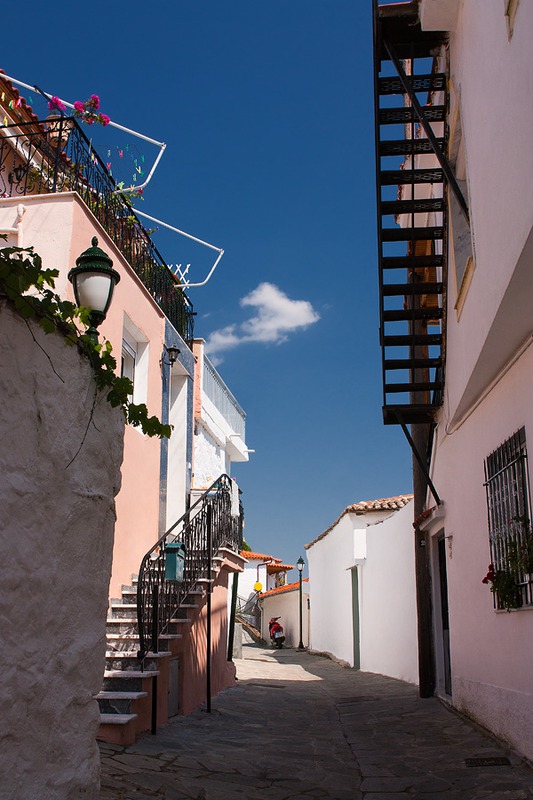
column 277, row 637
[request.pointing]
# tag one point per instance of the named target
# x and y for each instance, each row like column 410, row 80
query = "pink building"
column 55, row 196
column 454, row 109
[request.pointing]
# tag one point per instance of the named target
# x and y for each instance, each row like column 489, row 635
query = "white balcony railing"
column 221, row 397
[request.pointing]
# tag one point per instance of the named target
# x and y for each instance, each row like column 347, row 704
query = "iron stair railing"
column 412, row 176
column 206, row 527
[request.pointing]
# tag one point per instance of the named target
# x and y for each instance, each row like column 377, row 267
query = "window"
column 462, row 250
column 509, row 517
column 129, row 356
column 134, row 363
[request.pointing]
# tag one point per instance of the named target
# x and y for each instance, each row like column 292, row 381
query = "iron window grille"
column 509, row 514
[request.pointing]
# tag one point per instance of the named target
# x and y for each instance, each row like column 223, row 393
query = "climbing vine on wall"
column 29, row 288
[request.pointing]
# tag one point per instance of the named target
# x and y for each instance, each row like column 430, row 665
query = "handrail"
column 157, row 599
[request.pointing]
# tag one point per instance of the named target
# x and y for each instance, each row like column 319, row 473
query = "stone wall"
column 60, row 459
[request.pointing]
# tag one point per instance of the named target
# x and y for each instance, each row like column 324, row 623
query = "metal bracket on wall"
column 420, row 460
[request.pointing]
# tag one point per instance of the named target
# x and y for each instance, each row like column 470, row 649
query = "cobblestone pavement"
column 299, row 726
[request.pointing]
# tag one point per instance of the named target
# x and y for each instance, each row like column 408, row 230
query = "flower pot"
column 58, row 129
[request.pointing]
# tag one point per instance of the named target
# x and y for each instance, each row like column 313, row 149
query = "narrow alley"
column 301, row 726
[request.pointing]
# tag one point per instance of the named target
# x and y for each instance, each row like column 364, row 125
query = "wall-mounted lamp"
column 94, row 281
column 16, row 175
column 172, row 354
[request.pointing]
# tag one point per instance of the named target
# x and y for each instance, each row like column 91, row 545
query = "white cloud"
column 277, row 316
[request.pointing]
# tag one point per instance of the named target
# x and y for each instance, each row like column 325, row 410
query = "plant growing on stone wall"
column 29, row 288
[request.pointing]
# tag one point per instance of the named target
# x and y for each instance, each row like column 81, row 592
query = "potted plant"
column 57, row 125
column 504, row 585
column 515, row 564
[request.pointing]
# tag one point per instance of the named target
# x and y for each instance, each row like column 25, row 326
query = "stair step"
column 412, row 363
column 409, row 289
column 406, row 147
column 420, row 83
column 411, row 340
column 116, row 719
column 414, row 413
column 428, row 386
column 412, row 206
column 119, row 673
column 411, row 262
column 134, row 637
column 412, row 234
column 403, row 114
column 412, row 313
column 399, row 177
column 133, row 654
column 103, row 695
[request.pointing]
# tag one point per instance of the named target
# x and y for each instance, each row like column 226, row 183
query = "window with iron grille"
column 509, row 517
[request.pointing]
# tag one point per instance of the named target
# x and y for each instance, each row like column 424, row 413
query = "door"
column 445, row 673
column 355, row 619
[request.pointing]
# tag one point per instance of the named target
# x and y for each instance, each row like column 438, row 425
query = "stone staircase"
column 125, row 699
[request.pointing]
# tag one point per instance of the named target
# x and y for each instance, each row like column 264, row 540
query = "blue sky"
column 267, row 112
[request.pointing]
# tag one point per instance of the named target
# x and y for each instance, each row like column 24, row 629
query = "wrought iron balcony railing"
column 44, row 158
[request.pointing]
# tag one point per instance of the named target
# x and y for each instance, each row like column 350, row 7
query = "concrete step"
column 118, row 729
column 128, row 661
column 116, row 719
column 116, row 680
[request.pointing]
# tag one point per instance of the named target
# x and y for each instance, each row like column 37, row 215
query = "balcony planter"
column 58, row 129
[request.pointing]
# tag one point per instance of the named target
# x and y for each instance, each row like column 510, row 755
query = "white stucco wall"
column 286, row 605
column 489, row 363
column 491, row 652
column 330, row 562
column 56, row 544
column 498, row 307
column 387, row 599
column 210, row 459
column 379, row 545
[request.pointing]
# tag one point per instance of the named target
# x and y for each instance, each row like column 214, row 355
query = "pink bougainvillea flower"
column 78, row 105
column 105, row 119
column 55, row 104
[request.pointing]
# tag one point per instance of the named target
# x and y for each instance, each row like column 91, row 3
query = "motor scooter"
column 277, row 637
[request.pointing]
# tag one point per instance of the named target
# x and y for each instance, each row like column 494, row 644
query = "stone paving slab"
column 298, row 726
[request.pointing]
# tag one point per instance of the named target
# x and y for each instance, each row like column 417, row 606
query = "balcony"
column 39, row 158
column 225, row 410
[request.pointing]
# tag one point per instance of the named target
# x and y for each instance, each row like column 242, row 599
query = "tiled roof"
column 20, row 110
column 279, row 567
column 289, row 587
column 258, row 556
column 365, row 507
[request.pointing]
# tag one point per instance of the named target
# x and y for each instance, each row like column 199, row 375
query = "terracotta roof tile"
column 258, row 556
column 289, row 587
column 366, row 507
column 279, row 567
column 21, row 111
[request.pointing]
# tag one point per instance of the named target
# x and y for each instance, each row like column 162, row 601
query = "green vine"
column 29, row 288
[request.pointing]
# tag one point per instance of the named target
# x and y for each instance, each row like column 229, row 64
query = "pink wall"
column 60, row 227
